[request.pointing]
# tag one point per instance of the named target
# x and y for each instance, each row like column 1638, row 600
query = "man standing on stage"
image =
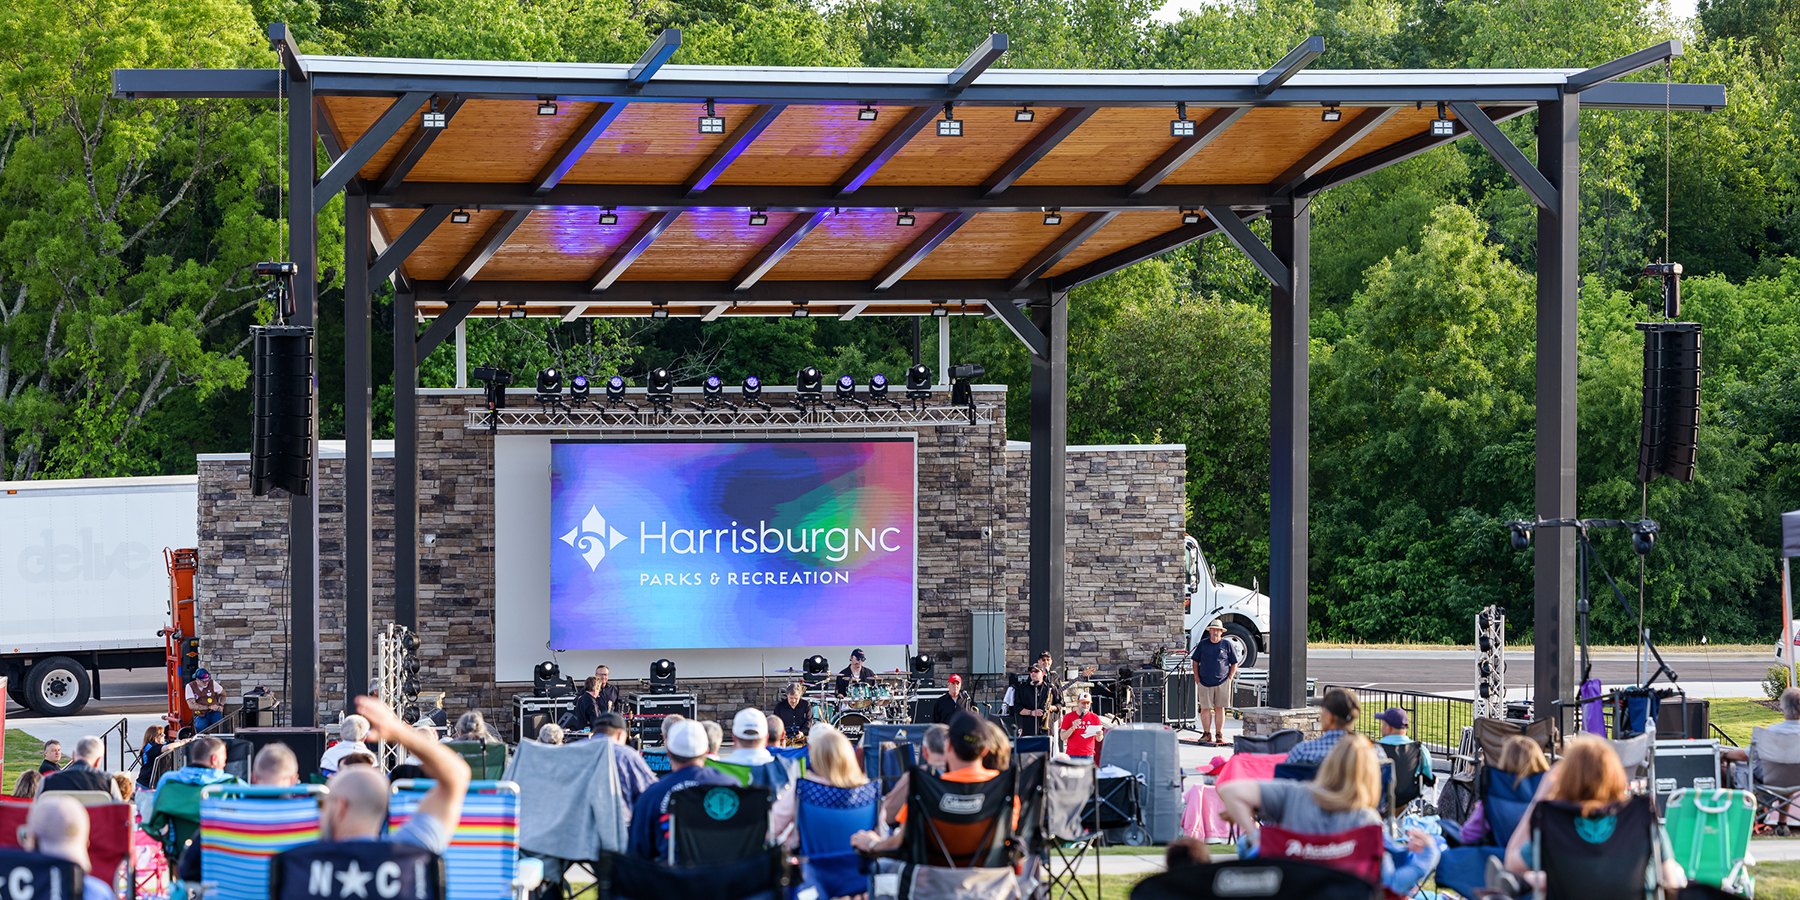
column 794, row 712
column 945, row 708
column 1080, row 729
column 1031, row 702
column 854, row 672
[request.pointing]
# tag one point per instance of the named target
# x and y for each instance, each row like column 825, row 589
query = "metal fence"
column 1437, row 721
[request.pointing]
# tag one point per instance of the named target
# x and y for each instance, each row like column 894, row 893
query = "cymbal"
column 789, row 671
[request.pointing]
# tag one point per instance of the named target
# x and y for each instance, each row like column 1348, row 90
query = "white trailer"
column 83, row 584
column 1245, row 611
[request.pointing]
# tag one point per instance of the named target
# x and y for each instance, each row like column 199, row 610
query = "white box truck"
column 1245, row 611
column 83, row 584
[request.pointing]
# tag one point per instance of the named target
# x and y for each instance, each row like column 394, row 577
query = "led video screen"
column 732, row 544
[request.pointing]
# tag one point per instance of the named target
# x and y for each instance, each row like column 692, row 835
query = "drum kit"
column 885, row 701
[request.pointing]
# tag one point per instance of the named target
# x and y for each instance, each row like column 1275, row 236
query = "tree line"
column 128, row 228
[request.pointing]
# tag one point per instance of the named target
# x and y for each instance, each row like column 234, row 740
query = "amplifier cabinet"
column 308, row 744
column 648, row 711
column 531, row 713
column 1684, row 764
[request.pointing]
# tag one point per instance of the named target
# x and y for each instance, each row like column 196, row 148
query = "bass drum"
column 851, row 724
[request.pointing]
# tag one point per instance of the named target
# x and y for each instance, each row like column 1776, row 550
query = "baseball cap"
column 857, row 654
column 965, row 730
column 750, row 724
column 956, row 679
column 1395, row 717
column 202, row 673
column 687, row 739
column 609, row 720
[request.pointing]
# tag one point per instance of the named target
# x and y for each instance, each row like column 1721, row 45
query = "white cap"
column 687, row 739
column 750, row 724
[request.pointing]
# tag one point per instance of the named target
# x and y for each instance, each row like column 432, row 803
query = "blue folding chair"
column 242, row 827
column 1503, row 804
column 482, row 861
column 826, row 817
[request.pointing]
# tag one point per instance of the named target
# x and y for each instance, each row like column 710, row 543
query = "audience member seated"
column 634, row 774
column 1589, row 776
column 749, row 733
column 1337, row 714
column 123, row 784
column 175, row 814
column 551, row 733
column 350, row 740
column 83, row 773
column 27, row 784
column 58, row 827
column 686, row 743
column 1342, row 797
column 275, row 766
column 147, row 754
column 1521, row 757
column 1394, row 725
column 776, row 729
column 1186, row 851
column 833, row 780
column 53, row 758
column 715, row 738
column 471, row 726
column 971, row 742
column 936, row 746
column 355, row 809
column 1789, row 726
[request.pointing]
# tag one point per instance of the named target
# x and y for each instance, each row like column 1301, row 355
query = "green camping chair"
column 175, row 816
column 486, row 759
column 1709, row 830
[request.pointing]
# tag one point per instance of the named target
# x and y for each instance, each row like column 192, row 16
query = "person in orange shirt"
column 969, row 743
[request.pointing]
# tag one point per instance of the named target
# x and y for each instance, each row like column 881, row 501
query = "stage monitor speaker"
column 1149, row 686
column 281, row 438
column 308, row 744
column 921, row 705
column 1699, row 719
column 1671, row 418
column 533, row 723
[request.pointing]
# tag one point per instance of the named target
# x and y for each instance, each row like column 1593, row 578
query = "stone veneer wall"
column 1122, row 588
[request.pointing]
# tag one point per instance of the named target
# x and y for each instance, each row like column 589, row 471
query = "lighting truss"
column 614, row 419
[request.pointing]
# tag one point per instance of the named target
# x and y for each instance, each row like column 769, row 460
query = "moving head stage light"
column 578, row 390
column 878, row 390
column 615, row 393
column 924, row 670
column 661, row 389
column 809, row 387
column 662, row 677
column 547, row 681
column 845, row 392
column 918, row 383
column 713, row 389
column 815, row 669
column 751, row 392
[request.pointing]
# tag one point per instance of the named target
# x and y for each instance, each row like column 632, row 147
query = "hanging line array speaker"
column 1671, row 400
column 281, row 442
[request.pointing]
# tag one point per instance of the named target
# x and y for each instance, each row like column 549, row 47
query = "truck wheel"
column 1243, row 642
column 58, row 686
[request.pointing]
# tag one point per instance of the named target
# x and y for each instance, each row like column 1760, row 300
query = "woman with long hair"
column 1590, row 777
column 831, row 802
column 1520, row 757
column 153, row 745
column 27, row 784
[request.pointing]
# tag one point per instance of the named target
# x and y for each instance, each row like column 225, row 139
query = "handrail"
column 127, row 757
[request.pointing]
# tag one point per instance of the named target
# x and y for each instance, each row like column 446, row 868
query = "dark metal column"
column 406, row 463
column 1049, row 443
column 358, row 429
column 303, row 512
column 1289, row 456
column 1553, row 606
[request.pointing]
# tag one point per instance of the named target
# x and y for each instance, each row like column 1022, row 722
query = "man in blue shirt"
column 1215, row 667
column 635, row 776
column 1394, row 723
column 686, row 744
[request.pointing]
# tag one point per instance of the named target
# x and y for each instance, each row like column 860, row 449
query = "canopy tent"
column 572, row 190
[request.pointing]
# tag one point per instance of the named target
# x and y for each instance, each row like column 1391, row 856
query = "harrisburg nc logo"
column 593, row 537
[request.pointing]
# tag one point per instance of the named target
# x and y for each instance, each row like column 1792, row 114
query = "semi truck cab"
column 1245, row 610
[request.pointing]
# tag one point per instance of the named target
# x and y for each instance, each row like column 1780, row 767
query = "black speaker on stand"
column 281, row 441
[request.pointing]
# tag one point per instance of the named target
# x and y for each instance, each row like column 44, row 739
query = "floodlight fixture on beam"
column 949, row 125
column 867, row 114
column 1443, row 125
column 608, row 217
column 1331, row 114
column 1191, row 217
column 905, row 219
column 660, row 310
column 1024, row 113
column 546, row 107
column 1181, row 126
column 517, row 311
column 711, row 123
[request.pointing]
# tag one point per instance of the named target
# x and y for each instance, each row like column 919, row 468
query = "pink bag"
column 1201, row 814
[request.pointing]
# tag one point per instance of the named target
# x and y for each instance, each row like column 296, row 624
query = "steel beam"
column 1240, row 235
column 409, row 240
column 1340, row 141
column 1508, row 156
column 1035, row 149
column 1049, row 477
column 331, row 137
column 1019, row 323
column 772, row 252
column 653, row 58
column 1089, row 225
column 633, row 247
column 367, row 145
column 1398, row 151
column 442, row 327
column 740, row 140
column 1554, row 676
column 411, row 152
column 303, row 512
column 1621, row 67
column 810, row 198
column 890, row 143
column 921, row 247
column 598, row 120
column 406, row 463
column 561, row 294
column 1177, row 156
column 1289, row 441
column 976, row 63
column 282, row 39
column 1290, row 65
column 1137, row 253
column 470, row 265
column 854, row 311
column 359, row 399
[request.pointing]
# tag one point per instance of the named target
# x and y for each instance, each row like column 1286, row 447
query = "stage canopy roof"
column 839, row 189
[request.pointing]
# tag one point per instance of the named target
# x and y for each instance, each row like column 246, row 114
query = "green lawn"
column 1777, row 880
column 22, row 752
column 1737, row 716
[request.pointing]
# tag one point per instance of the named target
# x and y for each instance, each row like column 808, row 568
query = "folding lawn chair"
column 766, row 876
column 482, row 861
column 717, row 824
column 1279, row 742
column 486, row 759
column 1775, row 775
column 961, row 840
column 1115, row 806
column 1618, row 867
column 384, row 869
column 825, row 818
column 1709, row 830
column 242, row 827
column 1504, row 800
column 1258, row 879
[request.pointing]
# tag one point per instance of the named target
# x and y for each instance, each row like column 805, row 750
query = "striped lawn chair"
column 242, row 827
column 482, row 862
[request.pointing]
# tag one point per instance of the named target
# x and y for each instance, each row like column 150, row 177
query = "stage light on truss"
column 549, row 383
column 460, row 217
column 878, row 385
column 517, row 312
column 905, row 219
column 661, row 384
column 1191, row 217
column 710, row 123
column 949, row 125
column 800, row 311
column 1023, row 114
column 1443, row 125
column 809, row 381
column 713, row 388
column 608, row 217
column 1331, row 114
column 918, row 381
column 615, row 389
column 939, row 310
column 578, row 390
column 546, row 107
column 751, row 389
column 867, row 113
column 660, row 310
column 1181, row 125
column 759, row 217
column 1053, row 216
column 846, row 388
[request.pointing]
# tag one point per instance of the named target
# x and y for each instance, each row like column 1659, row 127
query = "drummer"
column 854, row 672
column 794, row 711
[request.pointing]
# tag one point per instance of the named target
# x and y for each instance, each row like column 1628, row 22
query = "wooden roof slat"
column 772, row 252
column 557, row 167
column 1264, row 143
column 915, row 252
column 707, row 245
column 989, row 136
column 1089, row 225
column 1042, row 143
column 559, row 245
column 654, row 143
column 1185, row 148
column 892, row 142
column 631, row 248
column 490, row 243
column 727, row 153
column 1126, row 230
column 409, row 240
column 995, row 245
column 814, row 146
column 851, row 245
column 1321, row 156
